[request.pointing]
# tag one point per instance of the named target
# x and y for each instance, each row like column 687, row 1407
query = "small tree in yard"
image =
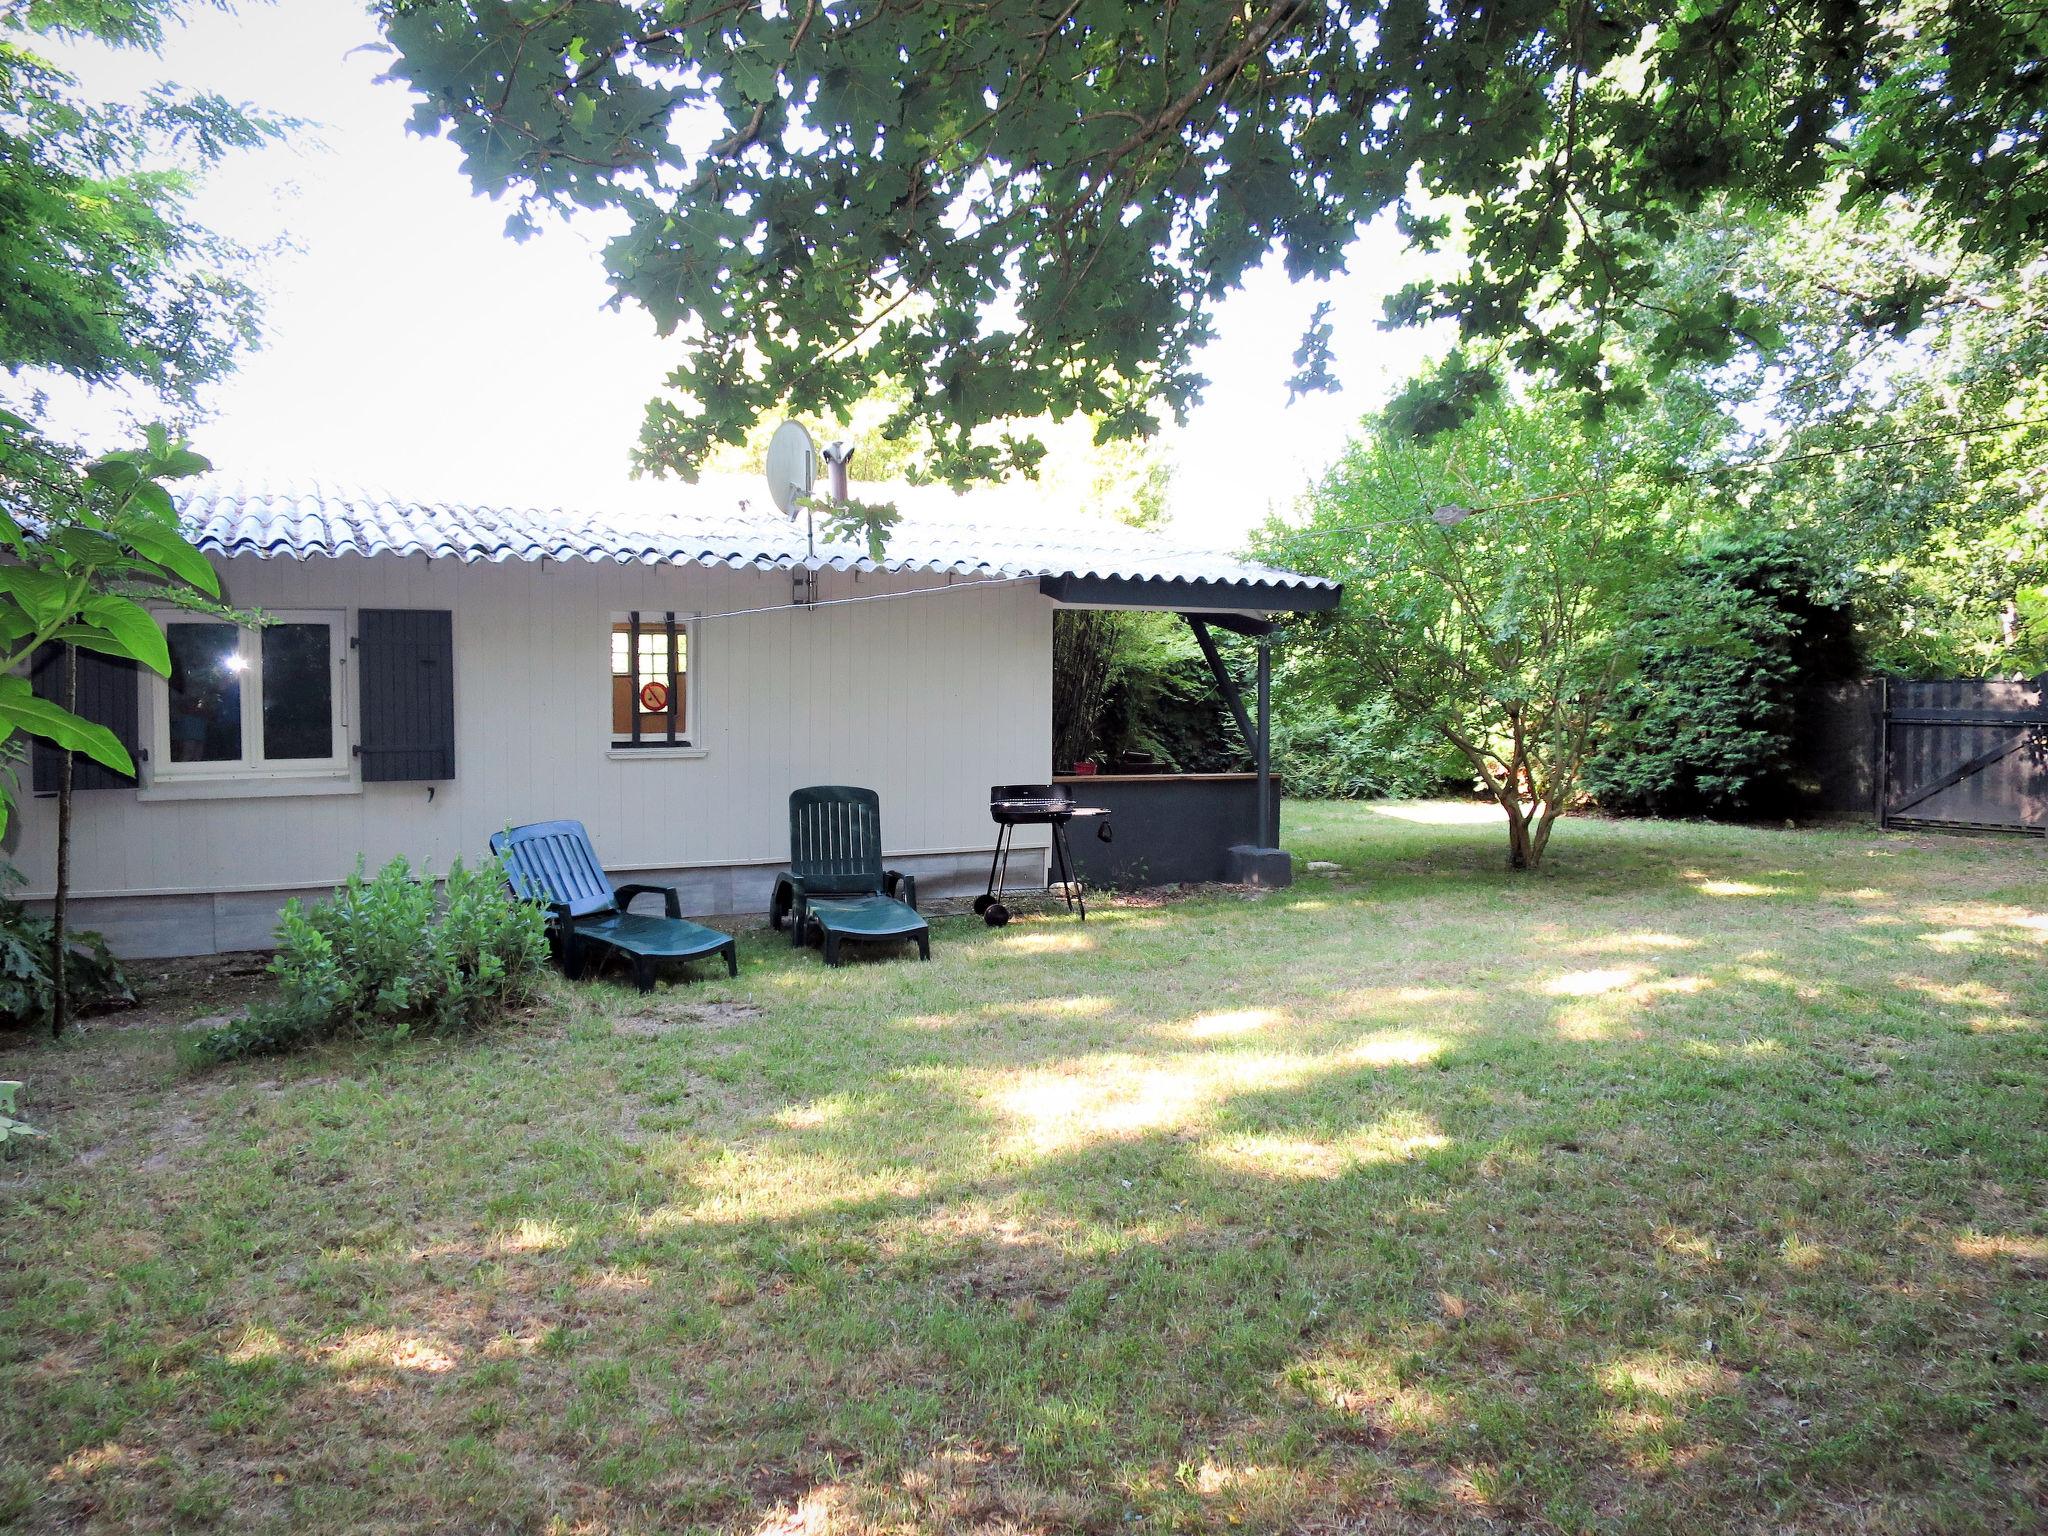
column 1487, row 573
column 109, row 281
column 87, row 550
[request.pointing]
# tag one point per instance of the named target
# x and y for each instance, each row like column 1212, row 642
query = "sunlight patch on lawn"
column 1056, row 1110
column 1632, row 944
column 1987, row 1247
column 1084, row 1007
column 619, row 1282
column 532, row 1236
column 1371, row 1000
column 1600, row 1000
column 388, row 1349
column 1250, row 1494
column 1953, row 938
column 762, row 1185
column 1068, row 942
column 1398, row 1049
column 1241, row 1021
column 257, row 1344
column 1750, row 1045
column 1112, row 1096
column 1646, row 1373
column 1590, row 983
column 1797, row 1253
column 822, row 1511
column 89, row 1460
column 1441, row 813
column 809, row 1117
column 1392, row 1139
column 1713, row 887
column 1974, row 916
column 1957, row 994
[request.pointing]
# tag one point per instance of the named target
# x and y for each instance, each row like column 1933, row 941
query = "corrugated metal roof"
column 1005, row 531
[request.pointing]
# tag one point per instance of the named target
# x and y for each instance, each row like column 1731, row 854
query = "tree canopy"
column 1029, row 208
column 1489, row 574
column 110, row 281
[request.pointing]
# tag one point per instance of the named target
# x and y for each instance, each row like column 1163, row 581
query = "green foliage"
column 1488, row 577
column 391, row 957
column 1370, row 751
column 109, row 281
column 866, row 523
column 99, row 545
column 1030, row 209
column 13, row 1130
column 1898, row 420
column 1132, row 688
column 1708, row 724
column 93, row 977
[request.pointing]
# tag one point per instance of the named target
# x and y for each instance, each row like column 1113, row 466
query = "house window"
column 250, row 701
column 651, row 680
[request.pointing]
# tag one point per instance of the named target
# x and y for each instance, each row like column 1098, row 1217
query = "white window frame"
column 689, row 729
column 252, row 766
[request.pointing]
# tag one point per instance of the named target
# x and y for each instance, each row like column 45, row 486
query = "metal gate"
column 1965, row 753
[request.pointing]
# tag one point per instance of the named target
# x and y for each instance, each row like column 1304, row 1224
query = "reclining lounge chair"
column 552, row 862
column 835, row 885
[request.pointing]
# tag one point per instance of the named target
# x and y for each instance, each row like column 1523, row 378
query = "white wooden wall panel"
column 927, row 699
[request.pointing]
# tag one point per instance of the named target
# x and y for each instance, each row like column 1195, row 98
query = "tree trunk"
column 59, row 999
column 1521, row 853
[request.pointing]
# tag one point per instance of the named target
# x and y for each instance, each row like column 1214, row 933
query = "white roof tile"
column 1005, row 531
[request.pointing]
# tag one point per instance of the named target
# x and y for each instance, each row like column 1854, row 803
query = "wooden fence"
column 1966, row 753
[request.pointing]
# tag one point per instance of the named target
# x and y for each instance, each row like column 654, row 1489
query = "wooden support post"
column 1263, row 751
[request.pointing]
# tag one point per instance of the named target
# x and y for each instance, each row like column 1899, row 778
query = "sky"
column 411, row 346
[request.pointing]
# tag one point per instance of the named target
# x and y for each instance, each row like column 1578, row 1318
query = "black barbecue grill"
column 1033, row 805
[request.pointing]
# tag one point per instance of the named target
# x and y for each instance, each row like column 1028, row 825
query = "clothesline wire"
column 976, row 584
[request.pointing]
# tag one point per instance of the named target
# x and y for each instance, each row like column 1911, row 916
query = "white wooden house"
column 666, row 671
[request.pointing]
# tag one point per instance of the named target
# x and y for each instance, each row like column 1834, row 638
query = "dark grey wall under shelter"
column 1168, row 828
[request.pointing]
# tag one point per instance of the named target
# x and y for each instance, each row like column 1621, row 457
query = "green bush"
column 1731, row 642
column 28, row 953
column 390, row 957
column 1365, row 753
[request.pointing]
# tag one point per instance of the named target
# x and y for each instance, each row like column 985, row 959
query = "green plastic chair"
column 552, row 862
column 835, row 883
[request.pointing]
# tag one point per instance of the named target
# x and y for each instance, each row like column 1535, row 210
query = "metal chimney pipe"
column 837, row 457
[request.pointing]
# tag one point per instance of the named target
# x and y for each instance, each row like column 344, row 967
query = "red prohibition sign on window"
column 654, row 698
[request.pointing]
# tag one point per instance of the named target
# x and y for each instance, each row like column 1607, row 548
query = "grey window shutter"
column 406, row 661
column 107, row 695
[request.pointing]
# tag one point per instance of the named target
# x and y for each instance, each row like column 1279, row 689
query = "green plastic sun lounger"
column 552, row 862
column 835, row 887
column 879, row 918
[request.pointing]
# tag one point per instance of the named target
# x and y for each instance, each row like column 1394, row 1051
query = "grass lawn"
column 1693, row 1183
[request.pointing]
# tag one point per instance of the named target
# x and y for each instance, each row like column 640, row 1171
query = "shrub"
column 391, row 957
column 1731, row 642
column 28, row 954
column 1365, row 753
column 1133, row 686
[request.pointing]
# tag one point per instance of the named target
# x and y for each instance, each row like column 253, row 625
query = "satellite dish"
column 792, row 466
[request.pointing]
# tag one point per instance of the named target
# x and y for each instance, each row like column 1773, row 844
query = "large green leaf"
column 132, row 631
column 20, row 707
column 43, row 595
column 174, row 555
